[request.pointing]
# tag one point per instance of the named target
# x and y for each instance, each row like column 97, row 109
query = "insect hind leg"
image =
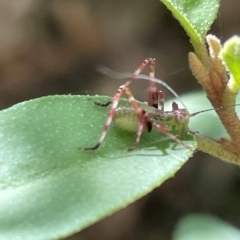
column 114, row 102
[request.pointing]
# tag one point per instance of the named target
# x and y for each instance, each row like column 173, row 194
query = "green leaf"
column 196, row 17
column 51, row 189
column 199, row 227
column 230, row 55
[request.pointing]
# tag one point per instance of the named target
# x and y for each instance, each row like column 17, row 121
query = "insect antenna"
column 210, row 109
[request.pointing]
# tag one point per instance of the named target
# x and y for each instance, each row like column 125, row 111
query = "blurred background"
column 54, row 47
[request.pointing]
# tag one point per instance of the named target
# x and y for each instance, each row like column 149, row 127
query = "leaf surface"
column 200, row 226
column 49, row 188
column 196, row 17
column 231, row 57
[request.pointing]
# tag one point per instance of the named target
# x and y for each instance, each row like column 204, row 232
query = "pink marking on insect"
column 140, row 117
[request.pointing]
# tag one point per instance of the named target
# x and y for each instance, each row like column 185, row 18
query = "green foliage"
column 196, row 17
column 199, row 227
column 231, row 56
column 50, row 188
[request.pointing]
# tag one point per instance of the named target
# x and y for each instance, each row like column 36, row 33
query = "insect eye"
column 181, row 118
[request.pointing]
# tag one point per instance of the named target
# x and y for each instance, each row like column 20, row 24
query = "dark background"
column 53, row 47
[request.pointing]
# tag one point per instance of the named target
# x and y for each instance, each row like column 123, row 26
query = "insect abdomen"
column 126, row 118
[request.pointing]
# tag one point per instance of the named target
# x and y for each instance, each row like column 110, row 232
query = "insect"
column 139, row 117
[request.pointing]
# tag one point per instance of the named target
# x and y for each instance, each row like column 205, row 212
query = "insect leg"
column 175, row 106
column 155, row 98
column 144, row 117
column 161, row 100
column 115, row 101
column 139, row 132
column 162, row 129
column 143, row 122
column 152, row 89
